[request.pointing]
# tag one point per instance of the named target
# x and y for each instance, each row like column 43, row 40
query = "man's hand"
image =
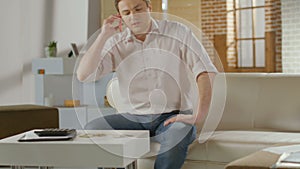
column 204, row 83
column 112, row 24
column 185, row 118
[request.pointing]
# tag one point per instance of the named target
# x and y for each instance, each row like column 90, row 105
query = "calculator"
column 55, row 132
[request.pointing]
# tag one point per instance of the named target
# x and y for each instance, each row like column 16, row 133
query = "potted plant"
column 51, row 49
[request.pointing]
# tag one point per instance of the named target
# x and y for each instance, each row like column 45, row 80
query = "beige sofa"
column 260, row 110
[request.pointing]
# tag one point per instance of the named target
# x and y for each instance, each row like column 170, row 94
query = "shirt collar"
column 154, row 28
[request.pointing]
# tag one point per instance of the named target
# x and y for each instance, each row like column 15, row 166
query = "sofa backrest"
column 261, row 101
column 247, row 101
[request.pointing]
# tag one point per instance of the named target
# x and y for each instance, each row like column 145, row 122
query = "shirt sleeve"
column 106, row 63
column 195, row 54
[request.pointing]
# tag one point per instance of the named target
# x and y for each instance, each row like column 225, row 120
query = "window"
column 249, row 22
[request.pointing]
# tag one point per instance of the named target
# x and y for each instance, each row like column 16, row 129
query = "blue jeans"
column 174, row 138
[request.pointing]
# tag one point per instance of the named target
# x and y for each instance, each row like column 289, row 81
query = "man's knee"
column 98, row 124
column 178, row 134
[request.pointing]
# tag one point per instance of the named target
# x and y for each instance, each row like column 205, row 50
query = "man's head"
column 148, row 2
column 135, row 14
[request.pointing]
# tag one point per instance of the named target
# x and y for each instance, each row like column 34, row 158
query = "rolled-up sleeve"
column 195, row 54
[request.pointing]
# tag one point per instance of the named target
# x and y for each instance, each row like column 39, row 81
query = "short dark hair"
column 117, row 3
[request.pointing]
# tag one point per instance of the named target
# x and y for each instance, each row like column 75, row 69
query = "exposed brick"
column 217, row 20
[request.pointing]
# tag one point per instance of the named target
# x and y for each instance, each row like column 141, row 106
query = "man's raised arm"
column 90, row 61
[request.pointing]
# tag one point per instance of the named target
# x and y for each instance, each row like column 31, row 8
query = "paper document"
column 288, row 160
column 283, row 149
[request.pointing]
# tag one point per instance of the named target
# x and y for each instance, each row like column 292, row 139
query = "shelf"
column 54, row 66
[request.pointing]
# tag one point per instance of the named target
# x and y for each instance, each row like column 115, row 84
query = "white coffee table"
column 91, row 148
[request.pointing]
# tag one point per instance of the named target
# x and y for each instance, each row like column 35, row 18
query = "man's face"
column 135, row 14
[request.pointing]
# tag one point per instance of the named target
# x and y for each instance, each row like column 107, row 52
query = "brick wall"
column 213, row 19
column 217, row 18
column 273, row 23
column 291, row 36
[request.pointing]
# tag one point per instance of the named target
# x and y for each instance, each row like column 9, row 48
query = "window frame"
column 253, row 39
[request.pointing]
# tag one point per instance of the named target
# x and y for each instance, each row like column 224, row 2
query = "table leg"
column 17, row 167
column 133, row 165
column 45, row 167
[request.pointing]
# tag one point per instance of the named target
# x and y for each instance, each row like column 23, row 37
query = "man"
column 153, row 61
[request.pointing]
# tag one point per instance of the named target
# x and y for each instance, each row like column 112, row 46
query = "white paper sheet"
column 283, row 149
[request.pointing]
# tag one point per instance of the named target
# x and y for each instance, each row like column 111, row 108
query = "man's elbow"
column 206, row 76
column 80, row 76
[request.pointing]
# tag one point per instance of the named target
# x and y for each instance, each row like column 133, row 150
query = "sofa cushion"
column 226, row 146
column 278, row 104
column 267, row 101
column 242, row 92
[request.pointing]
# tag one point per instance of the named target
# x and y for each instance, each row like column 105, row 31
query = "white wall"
column 26, row 27
column 290, row 36
column 11, row 38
